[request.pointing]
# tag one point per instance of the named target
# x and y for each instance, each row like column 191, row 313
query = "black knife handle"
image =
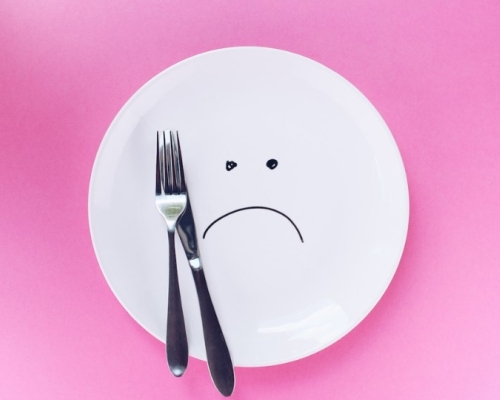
column 218, row 358
column 177, row 345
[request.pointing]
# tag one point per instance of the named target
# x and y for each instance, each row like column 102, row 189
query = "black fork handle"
column 218, row 357
column 177, row 346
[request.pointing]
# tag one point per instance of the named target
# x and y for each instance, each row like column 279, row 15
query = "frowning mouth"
column 254, row 208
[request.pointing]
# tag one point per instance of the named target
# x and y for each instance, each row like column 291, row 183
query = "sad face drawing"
column 271, row 164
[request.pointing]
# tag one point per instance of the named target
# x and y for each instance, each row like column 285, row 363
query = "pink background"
column 432, row 68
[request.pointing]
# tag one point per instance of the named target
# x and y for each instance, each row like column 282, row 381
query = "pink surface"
column 432, row 70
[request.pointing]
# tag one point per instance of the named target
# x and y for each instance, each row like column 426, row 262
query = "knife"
column 218, row 357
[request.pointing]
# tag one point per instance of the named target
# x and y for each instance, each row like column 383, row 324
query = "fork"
column 171, row 201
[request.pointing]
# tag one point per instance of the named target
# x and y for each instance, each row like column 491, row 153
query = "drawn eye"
column 272, row 163
column 230, row 165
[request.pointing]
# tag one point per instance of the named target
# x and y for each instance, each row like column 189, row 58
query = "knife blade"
column 219, row 360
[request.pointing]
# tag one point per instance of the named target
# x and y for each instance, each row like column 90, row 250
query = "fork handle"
column 218, row 358
column 177, row 346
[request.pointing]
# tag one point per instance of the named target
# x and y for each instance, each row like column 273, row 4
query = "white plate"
column 339, row 178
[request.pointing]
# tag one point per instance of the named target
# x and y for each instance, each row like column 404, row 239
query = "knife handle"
column 218, row 358
column 177, row 346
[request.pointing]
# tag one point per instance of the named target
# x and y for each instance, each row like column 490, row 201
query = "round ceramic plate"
column 315, row 169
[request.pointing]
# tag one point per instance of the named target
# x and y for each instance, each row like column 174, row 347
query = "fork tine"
column 164, row 165
column 159, row 159
column 175, row 155
column 170, row 184
column 182, row 181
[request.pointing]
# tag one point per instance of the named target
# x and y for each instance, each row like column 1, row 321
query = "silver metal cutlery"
column 175, row 204
column 171, row 201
